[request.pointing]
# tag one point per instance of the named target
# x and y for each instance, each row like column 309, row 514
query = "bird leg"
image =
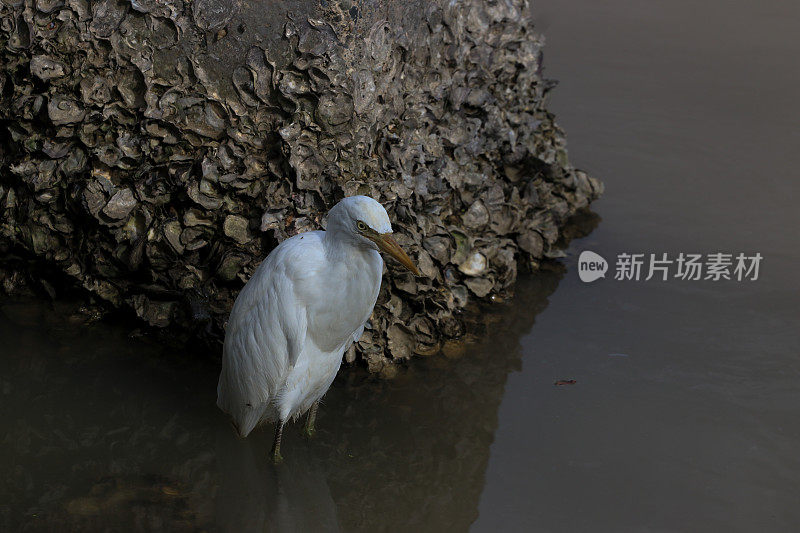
column 276, row 446
column 309, row 428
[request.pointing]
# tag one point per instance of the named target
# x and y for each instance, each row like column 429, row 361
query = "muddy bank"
column 155, row 152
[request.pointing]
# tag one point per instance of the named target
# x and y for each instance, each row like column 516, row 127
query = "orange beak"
column 387, row 244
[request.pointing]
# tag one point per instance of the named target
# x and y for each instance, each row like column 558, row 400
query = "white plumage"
column 304, row 306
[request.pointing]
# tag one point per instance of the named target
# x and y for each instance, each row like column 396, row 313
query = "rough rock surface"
column 156, row 150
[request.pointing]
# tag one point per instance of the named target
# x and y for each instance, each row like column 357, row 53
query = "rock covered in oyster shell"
column 156, row 151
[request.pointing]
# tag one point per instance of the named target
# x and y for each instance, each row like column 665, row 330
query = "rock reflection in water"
column 104, row 431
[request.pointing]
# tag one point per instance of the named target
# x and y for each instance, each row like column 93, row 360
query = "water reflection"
column 101, row 431
column 256, row 495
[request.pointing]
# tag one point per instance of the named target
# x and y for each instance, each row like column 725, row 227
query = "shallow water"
column 106, row 431
column 685, row 411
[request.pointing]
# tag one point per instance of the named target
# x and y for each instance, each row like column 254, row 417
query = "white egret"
column 305, row 305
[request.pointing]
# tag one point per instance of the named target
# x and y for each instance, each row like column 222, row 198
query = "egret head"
column 364, row 222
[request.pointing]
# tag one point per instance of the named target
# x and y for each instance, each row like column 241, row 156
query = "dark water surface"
column 685, row 414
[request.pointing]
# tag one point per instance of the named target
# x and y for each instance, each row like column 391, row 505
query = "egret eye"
column 361, row 226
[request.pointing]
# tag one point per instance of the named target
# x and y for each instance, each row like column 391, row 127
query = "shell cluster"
column 157, row 150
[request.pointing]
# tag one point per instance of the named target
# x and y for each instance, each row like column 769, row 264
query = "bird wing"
column 359, row 332
column 266, row 332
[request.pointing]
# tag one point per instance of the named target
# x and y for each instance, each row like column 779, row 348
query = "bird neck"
column 340, row 247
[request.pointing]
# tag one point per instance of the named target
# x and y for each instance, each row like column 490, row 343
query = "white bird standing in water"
column 305, row 305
